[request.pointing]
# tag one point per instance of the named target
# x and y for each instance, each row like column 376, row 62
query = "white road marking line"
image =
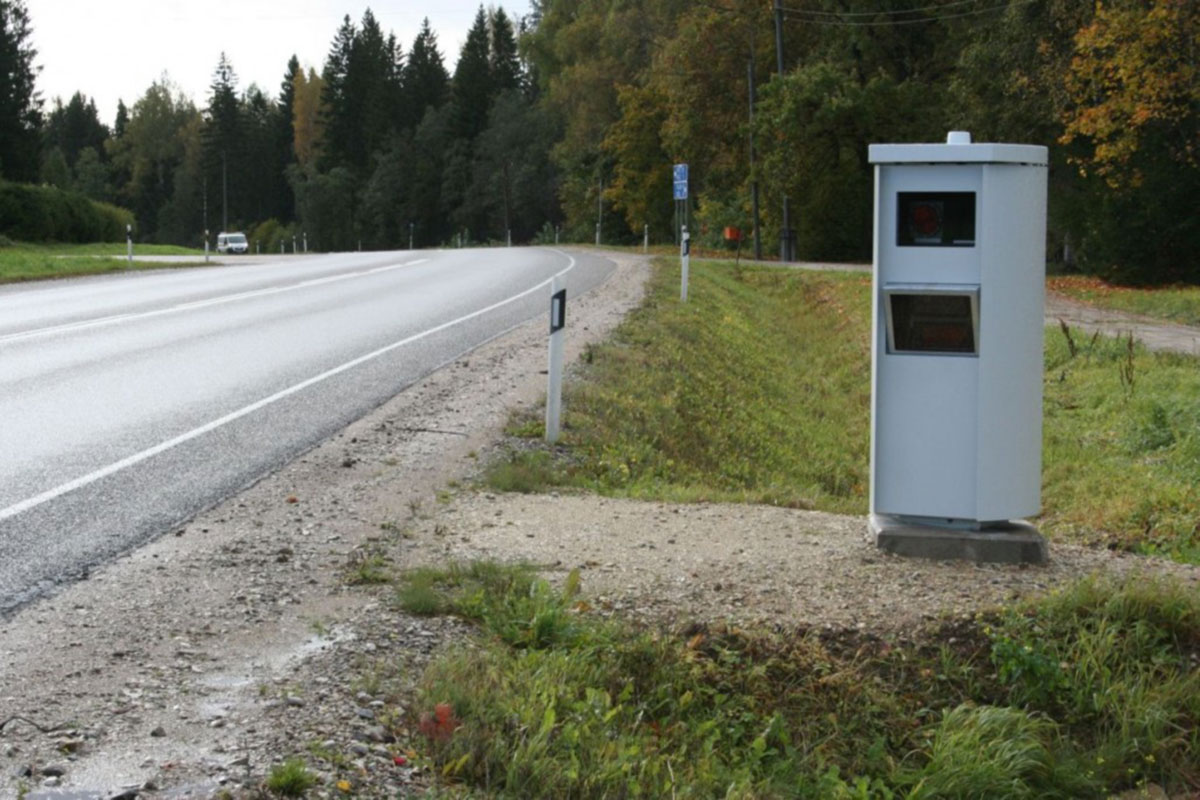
column 213, row 301
column 162, row 447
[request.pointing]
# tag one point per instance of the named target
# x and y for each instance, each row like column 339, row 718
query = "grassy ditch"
column 1174, row 303
column 30, row 262
column 758, row 390
column 1090, row 691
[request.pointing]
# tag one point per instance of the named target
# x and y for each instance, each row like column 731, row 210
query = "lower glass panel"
column 932, row 323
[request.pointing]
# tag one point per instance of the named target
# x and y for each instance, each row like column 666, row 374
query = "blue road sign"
column 681, row 181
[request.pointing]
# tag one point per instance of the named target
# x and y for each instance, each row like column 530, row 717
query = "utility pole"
column 206, row 212
column 753, row 177
column 785, row 236
column 224, row 194
column 599, row 208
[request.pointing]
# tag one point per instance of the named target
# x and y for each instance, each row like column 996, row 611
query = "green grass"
column 1121, row 451
column 1090, row 691
column 1175, row 303
column 291, row 779
column 29, row 262
column 758, row 390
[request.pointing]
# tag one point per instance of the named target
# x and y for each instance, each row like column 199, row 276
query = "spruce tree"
column 425, row 77
column 505, row 66
column 224, row 140
column 122, row 120
column 471, row 91
column 74, row 126
column 20, row 105
column 285, row 141
column 337, row 121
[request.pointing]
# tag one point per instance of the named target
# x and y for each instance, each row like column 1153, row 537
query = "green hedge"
column 46, row 214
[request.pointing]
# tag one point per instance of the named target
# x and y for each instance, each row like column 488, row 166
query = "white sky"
column 114, row 49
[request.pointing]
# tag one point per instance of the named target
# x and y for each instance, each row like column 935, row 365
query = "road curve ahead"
column 128, row 403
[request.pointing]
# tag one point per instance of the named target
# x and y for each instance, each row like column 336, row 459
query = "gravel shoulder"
column 189, row 667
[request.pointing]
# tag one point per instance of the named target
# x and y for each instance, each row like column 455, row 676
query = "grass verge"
column 1174, row 303
column 1087, row 692
column 29, row 262
column 758, row 390
column 746, row 393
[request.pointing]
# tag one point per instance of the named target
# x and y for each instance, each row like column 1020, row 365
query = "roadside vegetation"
column 1080, row 694
column 758, row 390
column 1175, row 303
column 32, row 262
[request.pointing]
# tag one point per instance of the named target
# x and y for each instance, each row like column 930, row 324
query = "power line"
column 897, row 22
column 898, row 12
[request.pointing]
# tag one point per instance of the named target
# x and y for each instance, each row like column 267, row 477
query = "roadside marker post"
column 129, row 243
column 679, row 174
column 558, row 322
column 685, row 254
column 206, row 245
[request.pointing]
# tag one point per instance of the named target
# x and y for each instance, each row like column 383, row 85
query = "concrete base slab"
column 1015, row 542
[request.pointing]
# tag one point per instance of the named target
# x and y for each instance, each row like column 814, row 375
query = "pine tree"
column 75, row 126
column 337, row 119
column 471, row 91
column 285, row 140
column 20, row 105
column 224, row 141
column 122, row 121
column 425, row 77
column 505, row 66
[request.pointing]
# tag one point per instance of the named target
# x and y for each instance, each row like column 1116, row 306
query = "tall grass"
column 1121, row 449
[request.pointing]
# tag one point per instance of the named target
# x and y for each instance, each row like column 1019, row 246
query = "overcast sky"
column 115, row 49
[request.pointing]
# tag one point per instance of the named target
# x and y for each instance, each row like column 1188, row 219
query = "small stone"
column 295, row 702
column 159, row 732
column 373, row 733
column 54, row 770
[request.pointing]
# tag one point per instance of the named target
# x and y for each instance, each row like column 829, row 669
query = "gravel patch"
column 680, row 564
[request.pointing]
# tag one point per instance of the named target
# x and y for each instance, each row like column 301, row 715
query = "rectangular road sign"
column 681, row 181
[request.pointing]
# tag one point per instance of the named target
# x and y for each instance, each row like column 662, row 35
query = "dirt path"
column 1154, row 333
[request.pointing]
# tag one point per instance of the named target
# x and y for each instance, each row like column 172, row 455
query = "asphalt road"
column 128, row 403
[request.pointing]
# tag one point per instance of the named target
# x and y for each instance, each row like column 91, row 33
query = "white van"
column 232, row 243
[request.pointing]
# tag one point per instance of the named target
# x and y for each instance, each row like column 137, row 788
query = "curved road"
column 129, row 403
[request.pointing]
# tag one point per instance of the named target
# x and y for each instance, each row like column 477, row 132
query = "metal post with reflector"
column 956, row 363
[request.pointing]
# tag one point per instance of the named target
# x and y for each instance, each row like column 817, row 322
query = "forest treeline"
column 570, row 118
